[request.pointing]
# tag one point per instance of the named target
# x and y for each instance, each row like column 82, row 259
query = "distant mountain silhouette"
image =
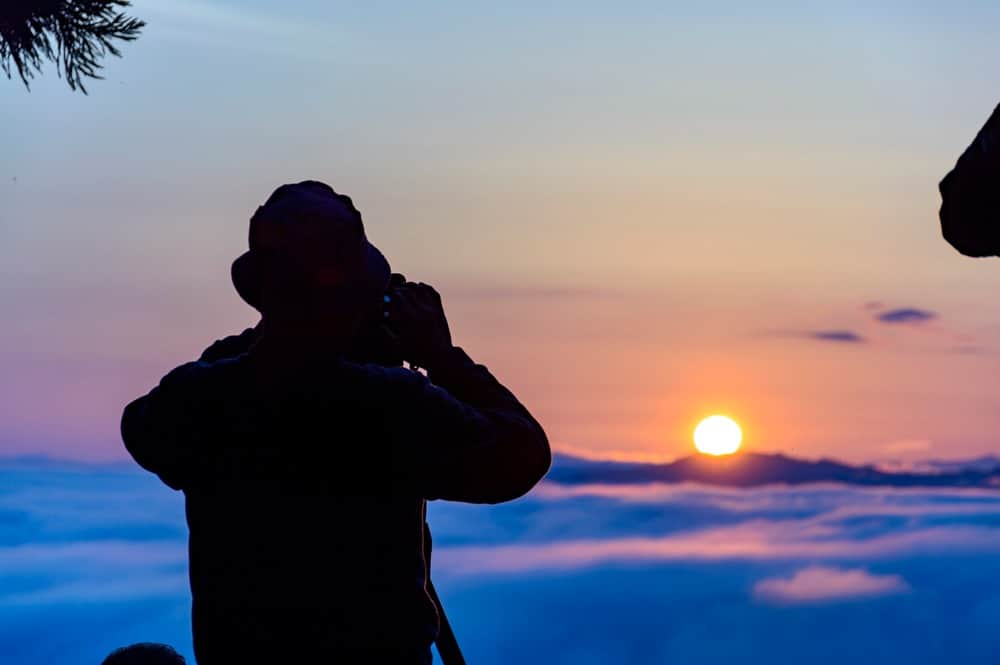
column 755, row 469
column 984, row 463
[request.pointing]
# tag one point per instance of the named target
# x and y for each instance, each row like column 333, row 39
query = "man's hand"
column 417, row 318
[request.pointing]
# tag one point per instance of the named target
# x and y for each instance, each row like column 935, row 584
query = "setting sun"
column 718, row 435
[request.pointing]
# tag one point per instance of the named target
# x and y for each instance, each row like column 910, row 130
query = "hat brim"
column 248, row 274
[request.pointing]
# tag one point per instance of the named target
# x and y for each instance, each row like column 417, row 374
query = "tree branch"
column 75, row 34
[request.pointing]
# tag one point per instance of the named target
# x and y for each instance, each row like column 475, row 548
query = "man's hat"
column 312, row 230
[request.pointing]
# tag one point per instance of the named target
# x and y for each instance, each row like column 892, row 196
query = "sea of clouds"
column 94, row 557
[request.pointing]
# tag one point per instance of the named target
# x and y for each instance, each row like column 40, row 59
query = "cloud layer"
column 94, row 558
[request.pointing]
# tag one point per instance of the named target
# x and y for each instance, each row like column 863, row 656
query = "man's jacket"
column 305, row 491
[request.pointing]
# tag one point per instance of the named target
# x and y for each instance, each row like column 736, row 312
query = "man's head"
column 309, row 258
column 144, row 653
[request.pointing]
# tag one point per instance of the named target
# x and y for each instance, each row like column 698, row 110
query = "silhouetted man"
column 304, row 468
column 970, row 194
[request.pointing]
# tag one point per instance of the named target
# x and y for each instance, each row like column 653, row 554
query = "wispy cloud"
column 231, row 18
column 521, row 292
column 817, row 584
column 759, row 540
column 238, row 27
column 969, row 350
column 816, row 498
column 907, row 446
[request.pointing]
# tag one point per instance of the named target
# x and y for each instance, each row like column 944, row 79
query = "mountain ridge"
column 756, row 469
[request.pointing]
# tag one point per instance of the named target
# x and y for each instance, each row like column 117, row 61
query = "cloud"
column 968, row 350
column 233, row 18
column 834, row 335
column 817, row 584
column 905, row 315
column 754, row 540
column 840, row 336
column 594, row 526
column 814, row 499
column 520, row 292
column 908, row 446
column 238, row 26
column 99, row 552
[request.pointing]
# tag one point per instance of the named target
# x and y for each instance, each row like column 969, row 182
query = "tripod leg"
column 447, row 645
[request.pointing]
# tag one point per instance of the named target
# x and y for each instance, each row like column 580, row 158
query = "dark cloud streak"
column 906, row 315
column 839, row 336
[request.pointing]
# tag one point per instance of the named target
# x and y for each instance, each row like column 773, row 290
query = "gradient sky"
column 637, row 213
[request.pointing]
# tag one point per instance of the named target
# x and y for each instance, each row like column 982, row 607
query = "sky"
column 637, row 213
column 94, row 557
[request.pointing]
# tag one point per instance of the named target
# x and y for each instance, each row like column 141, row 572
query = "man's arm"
column 506, row 452
column 160, row 428
column 466, row 436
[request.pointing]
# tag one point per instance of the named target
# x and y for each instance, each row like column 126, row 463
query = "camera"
column 377, row 342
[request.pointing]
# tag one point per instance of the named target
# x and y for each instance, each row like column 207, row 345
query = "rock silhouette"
column 970, row 195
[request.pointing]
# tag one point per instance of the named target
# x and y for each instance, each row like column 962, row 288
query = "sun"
column 718, row 435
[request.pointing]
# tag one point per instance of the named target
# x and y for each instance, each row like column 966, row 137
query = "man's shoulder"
column 198, row 373
column 230, row 346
